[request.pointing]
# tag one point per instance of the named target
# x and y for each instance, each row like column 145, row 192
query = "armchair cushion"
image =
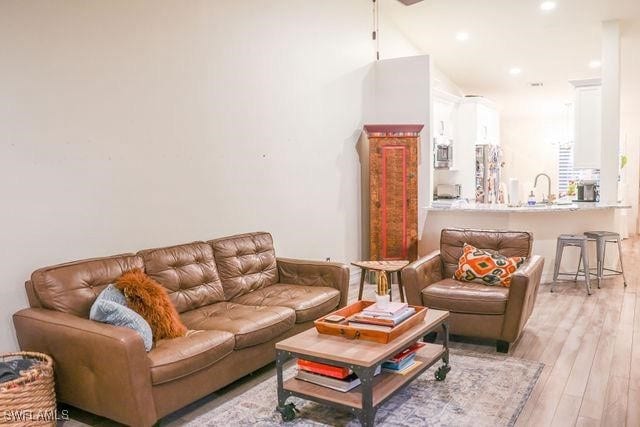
column 465, row 297
column 491, row 269
column 309, row 302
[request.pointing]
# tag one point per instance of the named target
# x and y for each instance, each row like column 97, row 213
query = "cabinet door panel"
column 393, row 198
column 588, row 121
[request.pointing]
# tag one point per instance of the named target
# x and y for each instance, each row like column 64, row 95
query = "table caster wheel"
column 288, row 411
column 441, row 372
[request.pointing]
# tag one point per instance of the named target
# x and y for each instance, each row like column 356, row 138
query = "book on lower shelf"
column 339, row 372
column 403, row 361
column 348, row 383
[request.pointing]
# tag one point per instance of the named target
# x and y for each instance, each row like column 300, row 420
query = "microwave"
column 442, row 156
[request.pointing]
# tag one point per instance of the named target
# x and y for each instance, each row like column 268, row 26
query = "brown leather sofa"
column 234, row 295
column 477, row 310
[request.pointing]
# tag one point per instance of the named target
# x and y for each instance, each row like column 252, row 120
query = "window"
column 566, row 172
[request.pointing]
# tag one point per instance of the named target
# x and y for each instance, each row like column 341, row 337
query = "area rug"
column 480, row 390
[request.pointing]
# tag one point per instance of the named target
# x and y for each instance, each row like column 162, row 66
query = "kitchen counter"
column 496, row 208
column 546, row 222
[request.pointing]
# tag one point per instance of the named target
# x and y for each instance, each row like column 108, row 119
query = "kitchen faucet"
column 535, row 184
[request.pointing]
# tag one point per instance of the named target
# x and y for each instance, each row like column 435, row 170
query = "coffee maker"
column 588, row 191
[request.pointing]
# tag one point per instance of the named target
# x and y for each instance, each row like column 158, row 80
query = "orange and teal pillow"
column 491, row 269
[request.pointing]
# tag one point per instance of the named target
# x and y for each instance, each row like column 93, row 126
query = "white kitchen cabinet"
column 479, row 121
column 587, row 125
column 444, row 117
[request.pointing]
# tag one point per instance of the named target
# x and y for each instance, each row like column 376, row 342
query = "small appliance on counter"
column 448, row 191
column 588, row 191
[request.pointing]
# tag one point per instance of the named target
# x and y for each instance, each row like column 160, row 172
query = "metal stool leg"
column 556, row 267
column 620, row 256
column 601, row 245
column 575, row 278
column 585, row 263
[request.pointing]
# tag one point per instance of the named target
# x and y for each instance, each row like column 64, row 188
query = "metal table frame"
column 367, row 413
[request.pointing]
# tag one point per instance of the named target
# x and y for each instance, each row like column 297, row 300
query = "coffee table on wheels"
column 362, row 357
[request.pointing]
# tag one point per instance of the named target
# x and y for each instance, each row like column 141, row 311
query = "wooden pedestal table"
column 363, row 358
column 388, row 267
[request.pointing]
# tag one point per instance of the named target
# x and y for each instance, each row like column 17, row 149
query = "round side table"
column 388, row 267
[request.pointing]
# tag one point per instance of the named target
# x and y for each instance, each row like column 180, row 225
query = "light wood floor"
column 590, row 346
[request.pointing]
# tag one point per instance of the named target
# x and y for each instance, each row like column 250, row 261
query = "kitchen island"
column 546, row 222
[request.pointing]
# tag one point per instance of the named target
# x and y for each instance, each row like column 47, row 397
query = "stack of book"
column 404, row 361
column 334, row 377
column 384, row 319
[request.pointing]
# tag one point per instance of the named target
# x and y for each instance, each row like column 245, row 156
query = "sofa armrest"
column 316, row 273
column 100, row 368
column 522, row 297
column 420, row 274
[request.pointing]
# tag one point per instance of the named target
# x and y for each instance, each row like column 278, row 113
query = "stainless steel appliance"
column 448, row 191
column 488, row 166
column 442, row 156
column 588, row 191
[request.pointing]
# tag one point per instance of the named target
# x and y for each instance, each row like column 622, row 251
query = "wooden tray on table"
column 354, row 332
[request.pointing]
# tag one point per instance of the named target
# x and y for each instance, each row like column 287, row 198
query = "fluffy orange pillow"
column 149, row 299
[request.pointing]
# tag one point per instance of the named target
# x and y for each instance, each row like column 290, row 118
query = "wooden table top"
column 389, row 266
column 358, row 352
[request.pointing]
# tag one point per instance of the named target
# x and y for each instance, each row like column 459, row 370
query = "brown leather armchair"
column 477, row 310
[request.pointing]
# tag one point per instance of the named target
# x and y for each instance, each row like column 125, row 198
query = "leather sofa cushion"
column 178, row 357
column 507, row 243
column 188, row 272
column 250, row 325
column 74, row 286
column 309, row 302
column 246, row 262
column 465, row 297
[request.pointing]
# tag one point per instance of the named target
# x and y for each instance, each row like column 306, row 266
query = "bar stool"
column 602, row 238
column 575, row 240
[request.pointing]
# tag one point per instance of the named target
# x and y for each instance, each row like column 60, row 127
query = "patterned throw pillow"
column 479, row 266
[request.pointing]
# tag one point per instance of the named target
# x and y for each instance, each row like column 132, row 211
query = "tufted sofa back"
column 246, row 262
column 187, row 271
column 72, row 287
column 194, row 274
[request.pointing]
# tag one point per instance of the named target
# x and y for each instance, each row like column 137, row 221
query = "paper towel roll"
column 514, row 191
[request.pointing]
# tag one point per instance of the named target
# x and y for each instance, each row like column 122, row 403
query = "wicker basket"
column 31, row 399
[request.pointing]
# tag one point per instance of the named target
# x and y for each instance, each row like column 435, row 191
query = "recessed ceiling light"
column 462, row 36
column 515, row 71
column 595, row 64
column 547, row 5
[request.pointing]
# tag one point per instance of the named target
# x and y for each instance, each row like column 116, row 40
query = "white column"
column 610, row 145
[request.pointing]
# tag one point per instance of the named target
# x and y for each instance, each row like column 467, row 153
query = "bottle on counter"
column 532, row 199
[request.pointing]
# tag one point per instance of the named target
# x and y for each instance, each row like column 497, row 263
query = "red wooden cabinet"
column 393, row 191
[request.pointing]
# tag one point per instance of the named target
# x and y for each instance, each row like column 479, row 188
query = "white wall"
column 629, row 114
column 529, row 144
column 131, row 125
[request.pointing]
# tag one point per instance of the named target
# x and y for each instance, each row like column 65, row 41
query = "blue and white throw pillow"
column 111, row 307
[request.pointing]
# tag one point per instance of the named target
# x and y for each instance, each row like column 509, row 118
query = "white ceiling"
column 550, row 47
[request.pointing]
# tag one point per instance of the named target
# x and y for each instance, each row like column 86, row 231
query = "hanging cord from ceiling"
column 375, row 35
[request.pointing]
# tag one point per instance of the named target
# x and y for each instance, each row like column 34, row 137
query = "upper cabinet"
column 588, row 123
column 444, row 117
column 479, row 121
